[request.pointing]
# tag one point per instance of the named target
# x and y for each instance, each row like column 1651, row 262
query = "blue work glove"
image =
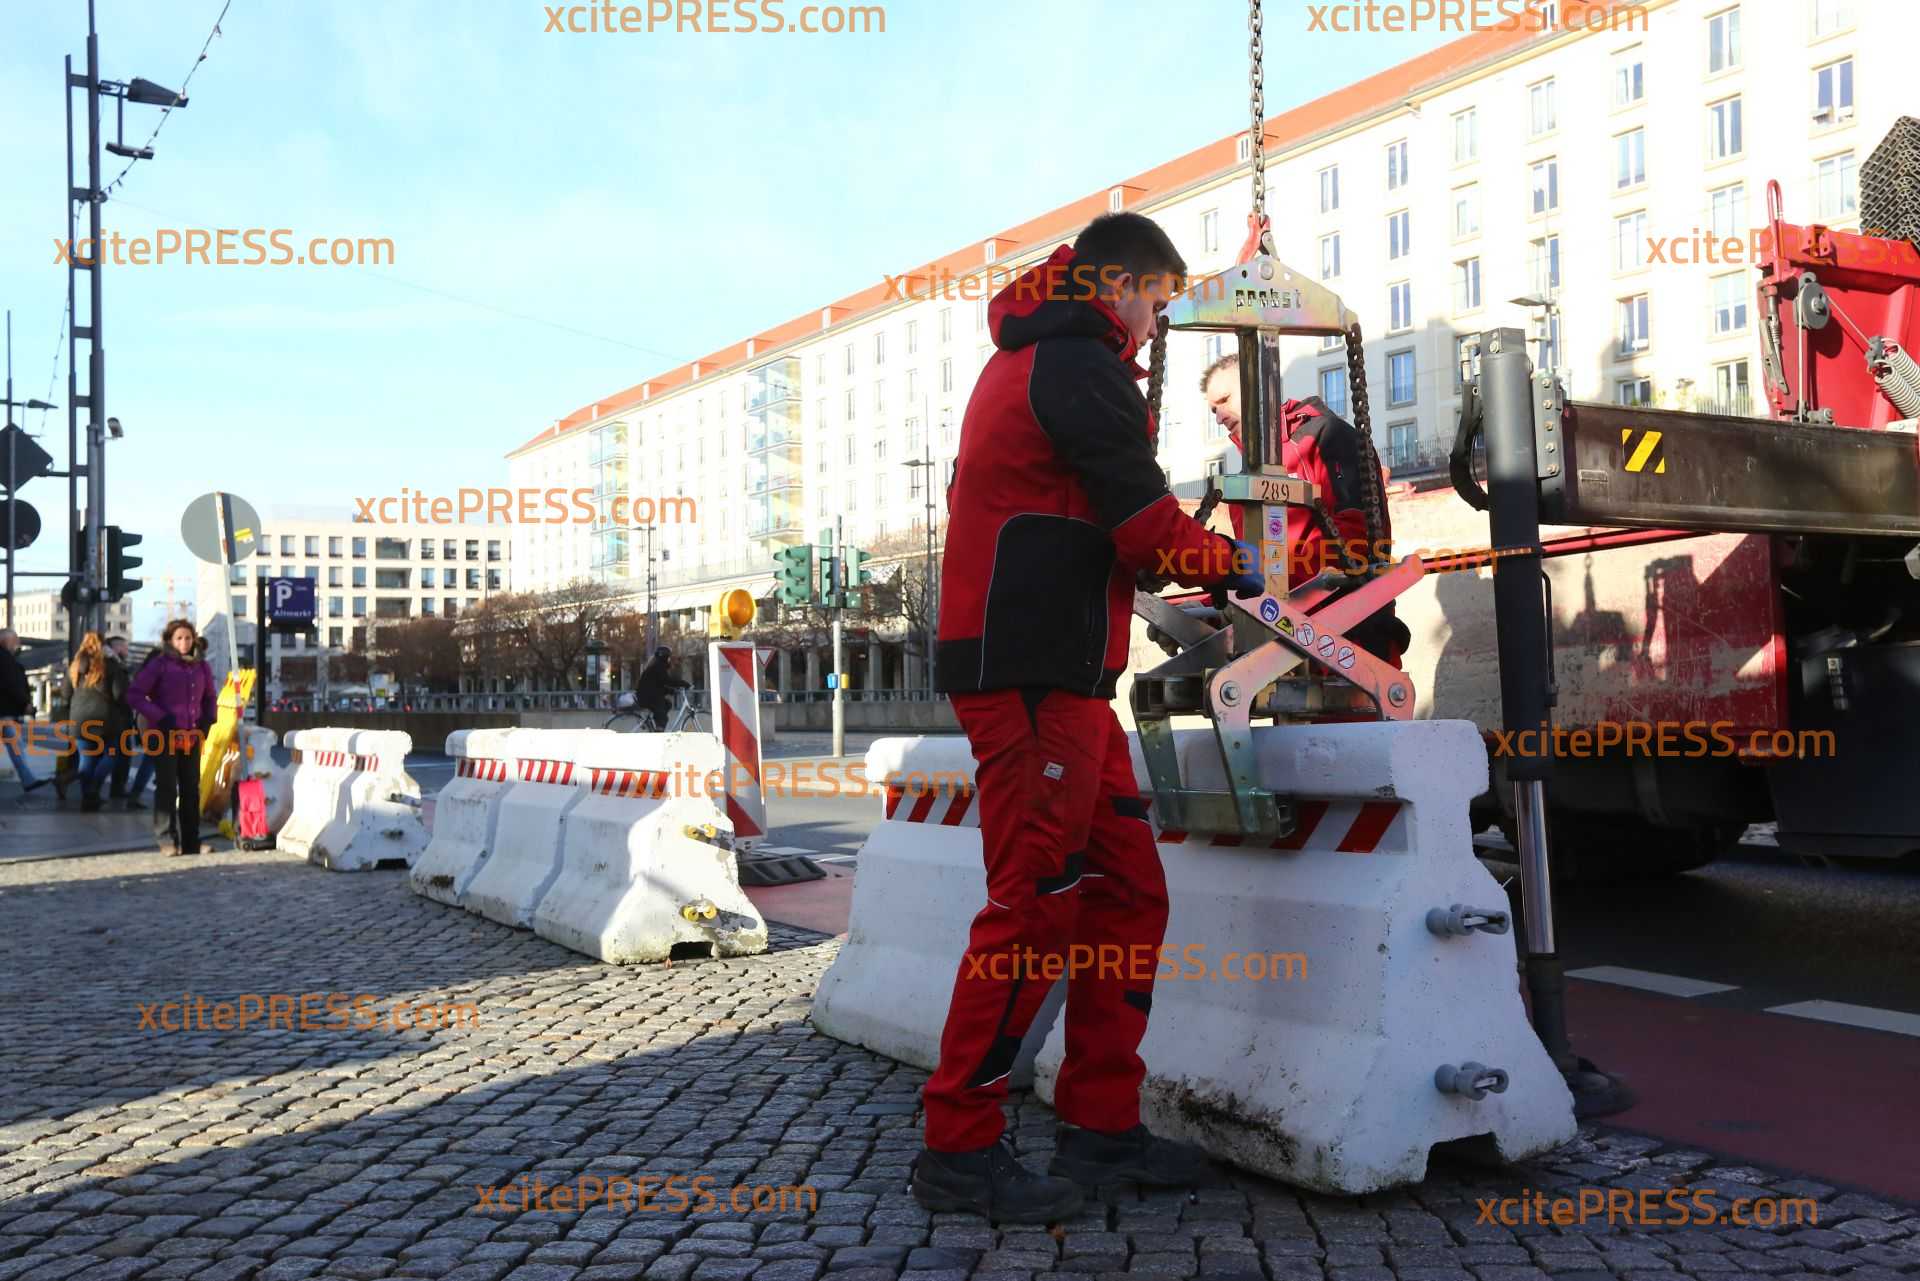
column 1245, row 580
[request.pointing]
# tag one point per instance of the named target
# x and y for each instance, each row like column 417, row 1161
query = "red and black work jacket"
column 1318, row 445
column 1057, row 499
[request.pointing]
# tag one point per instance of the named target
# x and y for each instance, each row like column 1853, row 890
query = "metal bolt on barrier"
column 1461, row 919
column 706, row 911
column 1470, row 1080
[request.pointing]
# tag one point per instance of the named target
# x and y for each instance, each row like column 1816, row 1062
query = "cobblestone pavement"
column 355, row 1152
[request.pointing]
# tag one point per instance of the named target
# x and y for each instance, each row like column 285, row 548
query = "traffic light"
column 732, row 611
column 118, row 563
column 793, row 570
column 853, row 576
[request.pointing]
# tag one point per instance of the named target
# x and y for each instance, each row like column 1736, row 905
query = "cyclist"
column 653, row 691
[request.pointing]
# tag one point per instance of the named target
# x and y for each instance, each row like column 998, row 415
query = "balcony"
column 773, row 384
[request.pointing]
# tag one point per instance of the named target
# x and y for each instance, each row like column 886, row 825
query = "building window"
column 880, row 348
column 1830, row 16
column 1629, row 159
column 426, row 549
column 333, row 547
column 359, row 575
column 1723, row 41
column 880, row 448
column 1723, row 129
column 946, row 427
column 1833, row 93
column 1402, row 442
column 913, row 336
column 848, row 405
column 849, row 445
column 1731, row 391
column 853, row 495
column 1466, row 285
column 1629, row 77
column 286, row 544
column 946, row 374
column 1633, row 391
column 1329, row 341
column 1400, row 306
column 1397, row 175
column 849, row 360
column 1546, row 186
column 449, row 550
column 1466, row 137
column 1210, row 231
column 359, row 549
column 1330, row 256
column 1836, row 194
column 1330, row 189
column 1730, row 303
column 312, row 544
column 913, row 386
column 1333, row 390
column 426, row 576
column 1728, row 215
column 1543, row 264
column 1466, row 212
column 1400, row 378
column 1399, row 234
column 426, row 607
column 879, row 398
column 1540, row 114
column 1630, row 241
column 1547, row 334
column 359, row 606
column 946, row 324
column 1633, row 325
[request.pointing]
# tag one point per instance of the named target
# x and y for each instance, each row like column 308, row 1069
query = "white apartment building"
column 41, row 616
column 365, row 573
column 1503, row 166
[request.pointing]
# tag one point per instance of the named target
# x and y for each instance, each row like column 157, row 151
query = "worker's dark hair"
column 1129, row 242
column 1228, row 361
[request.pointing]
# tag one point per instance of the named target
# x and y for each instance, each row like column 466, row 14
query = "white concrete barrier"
column 646, row 861
column 345, row 814
column 526, row 841
column 1323, row 1072
column 466, row 814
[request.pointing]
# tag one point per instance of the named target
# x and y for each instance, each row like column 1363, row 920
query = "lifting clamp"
column 1283, row 655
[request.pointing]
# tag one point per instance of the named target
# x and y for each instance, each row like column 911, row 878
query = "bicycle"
column 682, row 718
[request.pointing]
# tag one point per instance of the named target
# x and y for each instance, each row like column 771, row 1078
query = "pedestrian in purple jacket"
column 174, row 695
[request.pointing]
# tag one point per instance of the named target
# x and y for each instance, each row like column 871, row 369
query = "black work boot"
column 989, row 1181
column 1090, row 1158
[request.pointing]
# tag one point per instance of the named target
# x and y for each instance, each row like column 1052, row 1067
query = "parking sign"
column 290, row 602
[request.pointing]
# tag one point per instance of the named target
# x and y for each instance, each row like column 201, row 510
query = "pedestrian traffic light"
column 118, row 563
column 793, row 569
column 857, row 576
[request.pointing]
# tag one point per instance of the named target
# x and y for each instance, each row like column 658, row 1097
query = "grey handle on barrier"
column 1470, row 1080
column 413, row 801
column 1461, row 919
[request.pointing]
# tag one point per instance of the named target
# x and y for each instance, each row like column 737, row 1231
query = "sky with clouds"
column 569, row 213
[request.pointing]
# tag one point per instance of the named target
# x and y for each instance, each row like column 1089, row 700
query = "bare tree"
column 420, row 653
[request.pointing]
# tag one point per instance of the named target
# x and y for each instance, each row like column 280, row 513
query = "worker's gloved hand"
column 1245, row 580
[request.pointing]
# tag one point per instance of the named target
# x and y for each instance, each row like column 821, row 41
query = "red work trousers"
column 1072, row 873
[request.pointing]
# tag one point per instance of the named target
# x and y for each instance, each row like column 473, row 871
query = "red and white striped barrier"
column 647, row 867
column 733, row 678
column 344, row 814
column 525, row 849
column 1327, row 1079
column 466, row 815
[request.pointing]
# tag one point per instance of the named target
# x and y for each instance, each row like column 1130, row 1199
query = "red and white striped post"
column 733, row 679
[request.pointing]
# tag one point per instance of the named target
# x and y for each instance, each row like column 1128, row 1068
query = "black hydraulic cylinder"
column 1513, row 491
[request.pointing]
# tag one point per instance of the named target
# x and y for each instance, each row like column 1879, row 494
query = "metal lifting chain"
column 1157, row 370
column 1257, row 99
column 1372, row 499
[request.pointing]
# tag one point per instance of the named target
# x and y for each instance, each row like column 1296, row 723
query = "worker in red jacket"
column 1056, row 502
column 1319, row 446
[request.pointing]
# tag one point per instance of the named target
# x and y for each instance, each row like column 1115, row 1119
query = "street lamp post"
column 87, row 607
column 925, row 465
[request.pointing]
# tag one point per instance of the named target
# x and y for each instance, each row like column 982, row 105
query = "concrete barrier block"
column 346, row 817
column 526, row 843
column 647, row 863
column 466, row 815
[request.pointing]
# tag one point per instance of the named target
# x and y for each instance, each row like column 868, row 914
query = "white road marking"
column 1852, row 1015
column 1647, row 980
